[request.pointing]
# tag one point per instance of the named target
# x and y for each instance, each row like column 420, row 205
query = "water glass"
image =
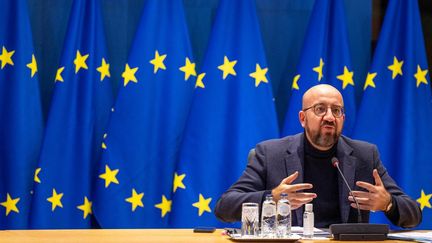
column 250, row 222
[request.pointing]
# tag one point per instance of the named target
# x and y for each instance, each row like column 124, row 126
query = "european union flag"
column 396, row 109
column 20, row 114
column 79, row 111
column 232, row 110
column 134, row 180
column 325, row 59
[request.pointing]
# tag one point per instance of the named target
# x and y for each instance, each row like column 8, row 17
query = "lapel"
column 294, row 162
column 347, row 165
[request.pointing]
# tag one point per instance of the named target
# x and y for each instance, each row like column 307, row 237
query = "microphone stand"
column 359, row 217
column 357, row 231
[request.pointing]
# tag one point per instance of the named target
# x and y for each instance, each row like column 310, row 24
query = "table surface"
column 121, row 235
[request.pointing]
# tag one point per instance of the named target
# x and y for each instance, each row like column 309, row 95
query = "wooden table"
column 120, row 235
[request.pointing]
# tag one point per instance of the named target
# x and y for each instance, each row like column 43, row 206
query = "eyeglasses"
column 321, row 110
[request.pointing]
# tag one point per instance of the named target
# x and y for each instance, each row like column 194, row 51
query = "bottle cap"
column 309, row 207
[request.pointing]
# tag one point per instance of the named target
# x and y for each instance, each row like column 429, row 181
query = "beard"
column 324, row 139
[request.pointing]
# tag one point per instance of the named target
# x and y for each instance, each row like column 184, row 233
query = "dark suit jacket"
column 276, row 159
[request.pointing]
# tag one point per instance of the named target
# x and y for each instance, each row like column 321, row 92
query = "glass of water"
column 250, row 222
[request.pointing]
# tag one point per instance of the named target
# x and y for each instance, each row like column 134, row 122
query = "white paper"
column 412, row 235
column 299, row 230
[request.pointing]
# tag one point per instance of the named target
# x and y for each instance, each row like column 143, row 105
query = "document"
column 411, row 235
column 317, row 232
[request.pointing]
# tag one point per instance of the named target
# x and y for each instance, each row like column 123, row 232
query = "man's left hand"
column 376, row 198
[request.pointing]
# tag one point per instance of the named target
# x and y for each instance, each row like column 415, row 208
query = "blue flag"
column 325, row 58
column 232, row 110
column 396, row 109
column 20, row 114
column 134, row 180
column 79, row 111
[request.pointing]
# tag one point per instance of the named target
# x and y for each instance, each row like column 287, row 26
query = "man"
column 301, row 166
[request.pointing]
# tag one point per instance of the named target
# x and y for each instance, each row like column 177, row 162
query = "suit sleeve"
column 250, row 187
column 405, row 212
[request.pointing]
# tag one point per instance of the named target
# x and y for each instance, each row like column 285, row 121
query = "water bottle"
column 308, row 221
column 283, row 216
column 268, row 217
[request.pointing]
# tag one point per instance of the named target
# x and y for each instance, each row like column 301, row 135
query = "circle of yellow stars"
column 227, row 68
column 346, row 77
column 80, row 62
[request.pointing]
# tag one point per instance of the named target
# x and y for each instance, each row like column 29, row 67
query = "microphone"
column 335, row 163
column 358, row 231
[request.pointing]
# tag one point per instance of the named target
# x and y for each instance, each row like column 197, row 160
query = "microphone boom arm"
column 335, row 163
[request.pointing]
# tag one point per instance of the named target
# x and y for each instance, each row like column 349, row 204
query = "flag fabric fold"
column 80, row 107
column 20, row 114
column 134, row 181
column 325, row 59
column 396, row 108
column 232, row 110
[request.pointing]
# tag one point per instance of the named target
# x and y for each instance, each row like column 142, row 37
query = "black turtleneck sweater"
column 319, row 171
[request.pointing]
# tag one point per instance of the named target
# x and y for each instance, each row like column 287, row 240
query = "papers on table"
column 317, row 232
column 412, row 235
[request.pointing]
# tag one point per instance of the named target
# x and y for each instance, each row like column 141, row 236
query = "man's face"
column 323, row 131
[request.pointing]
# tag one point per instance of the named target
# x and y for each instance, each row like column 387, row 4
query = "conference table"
column 123, row 235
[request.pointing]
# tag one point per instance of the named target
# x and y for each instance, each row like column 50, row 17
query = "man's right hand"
column 297, row 199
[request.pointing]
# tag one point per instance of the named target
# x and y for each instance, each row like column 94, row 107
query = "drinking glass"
column 250, row 222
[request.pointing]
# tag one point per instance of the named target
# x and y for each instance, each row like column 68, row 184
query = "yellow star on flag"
column 86, row 207
column 109, row 176
column 259, row 75
column 319, row 69
column 55, row 200
column 103, row 69
column 188, row 69
column 227, row 67
column 346, row 78
column 295, row 82
column 10, row 204
column 36, row 175
column 178, row 181
column 135, row 199
column 420, row 76
column 6, row 57
column 33, row 66
column 164, row 206
column 199, row 81
column 424, row 200
column 58, row 74
column 80, row 61
column 203, row 204
column 128, row 75
column 370, row 80
column 103, row 143
column 396, row 67
column 158, row 62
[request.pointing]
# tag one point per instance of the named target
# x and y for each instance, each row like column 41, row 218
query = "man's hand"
column 297, row 199
column 377, row 197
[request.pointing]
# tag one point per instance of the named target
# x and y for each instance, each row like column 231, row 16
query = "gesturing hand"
column 297, row 199
column 376, row 198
